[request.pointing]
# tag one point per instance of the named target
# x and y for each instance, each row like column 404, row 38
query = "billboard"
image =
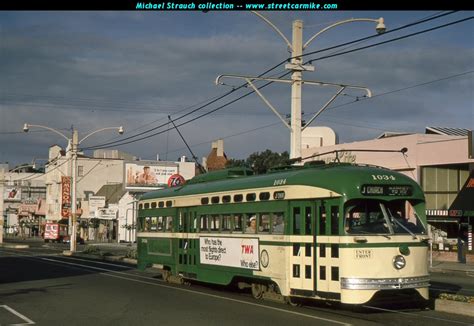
column 148, row 176
column 12, row 193
column 232, row 252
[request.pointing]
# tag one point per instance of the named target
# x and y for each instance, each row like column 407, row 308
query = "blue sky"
column 97, row 69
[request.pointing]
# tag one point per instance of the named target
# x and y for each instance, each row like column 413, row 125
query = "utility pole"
column 296, row 66
column 74, row 145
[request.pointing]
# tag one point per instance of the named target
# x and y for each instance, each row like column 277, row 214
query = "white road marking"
column 16, row 313
column 233, row 300
column 196, row 292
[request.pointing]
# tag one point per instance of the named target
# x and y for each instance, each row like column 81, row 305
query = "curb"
column 454, row 307
column 115, row 259
column 452, row 271
column 13, row 246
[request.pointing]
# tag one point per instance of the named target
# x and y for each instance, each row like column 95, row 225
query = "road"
column 40, row 286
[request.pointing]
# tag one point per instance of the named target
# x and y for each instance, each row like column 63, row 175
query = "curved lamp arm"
column 26, row 128
column 120, row 130
column 380, row 28
column 274, row 27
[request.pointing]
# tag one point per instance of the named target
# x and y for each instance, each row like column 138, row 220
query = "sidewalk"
column 449, row 266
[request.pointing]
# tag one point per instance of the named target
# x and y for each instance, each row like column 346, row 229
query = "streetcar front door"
column 326, row 245
column 302, row 225
column 186, row 258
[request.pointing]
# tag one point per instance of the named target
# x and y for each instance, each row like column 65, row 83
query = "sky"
column 91, row 70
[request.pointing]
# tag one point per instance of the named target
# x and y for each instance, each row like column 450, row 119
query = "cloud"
column 99, row 69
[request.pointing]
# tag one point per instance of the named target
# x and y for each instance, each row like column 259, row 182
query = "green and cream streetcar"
column 321, row 231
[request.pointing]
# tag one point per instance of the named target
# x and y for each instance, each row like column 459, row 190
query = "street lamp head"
column 121, row 130
column 380, row 28
column 26, row 127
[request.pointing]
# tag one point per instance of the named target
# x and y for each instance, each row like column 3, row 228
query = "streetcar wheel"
column 258, row 290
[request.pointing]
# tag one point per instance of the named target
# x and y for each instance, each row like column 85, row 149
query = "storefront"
column 452, row 229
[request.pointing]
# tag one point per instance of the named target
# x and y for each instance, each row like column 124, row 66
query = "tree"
column 260, row 162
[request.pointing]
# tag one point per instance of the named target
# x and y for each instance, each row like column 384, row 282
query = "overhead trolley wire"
column 124, row 142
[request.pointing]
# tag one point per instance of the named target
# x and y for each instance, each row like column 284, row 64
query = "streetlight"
column 74, row 142
column 296, row 66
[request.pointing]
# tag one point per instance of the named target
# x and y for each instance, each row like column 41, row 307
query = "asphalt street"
column 38, row 285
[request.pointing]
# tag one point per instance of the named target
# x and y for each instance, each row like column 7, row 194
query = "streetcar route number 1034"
column 383, row 177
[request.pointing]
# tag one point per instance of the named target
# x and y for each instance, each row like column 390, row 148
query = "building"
column 92, row 174
column 23, row 194
column 440, row 160
column 216, row 160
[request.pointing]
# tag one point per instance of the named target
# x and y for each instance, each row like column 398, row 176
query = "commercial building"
column 22, row 201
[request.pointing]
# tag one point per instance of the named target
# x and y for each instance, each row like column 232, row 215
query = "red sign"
column 470, row 184
column 65, row 196
column 176, row 180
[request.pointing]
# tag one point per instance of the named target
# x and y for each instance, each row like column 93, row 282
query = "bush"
column 92, row 250
column 131, row 253
column 456, row 297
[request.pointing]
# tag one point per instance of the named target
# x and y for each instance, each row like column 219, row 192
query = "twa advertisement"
column 232, row 252
column 148, row 176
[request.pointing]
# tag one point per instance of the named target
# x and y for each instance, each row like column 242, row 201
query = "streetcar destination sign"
column 385, row 190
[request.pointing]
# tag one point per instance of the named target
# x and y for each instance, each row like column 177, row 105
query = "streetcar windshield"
column 382, row 217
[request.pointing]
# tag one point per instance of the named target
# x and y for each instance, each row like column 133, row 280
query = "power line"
column 339, row 106
column 243, row 85
column 119, row 143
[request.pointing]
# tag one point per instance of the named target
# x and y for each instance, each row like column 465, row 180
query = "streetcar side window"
column 169, row 223
column 147, row 225
column 153, row 205
column 238, row 198
column 296, row 220
column 182, row 222
column 204, row 223
column 194, row 223
column 322, row 220
column 238, row 223
column 264, row 223
column 334, row 220
column 154, row 220
column 160, row 223
column 278, row 223
column 214, row 223
column 226, row 223
column 250, row 223
column 250, row 197
column 307, row 220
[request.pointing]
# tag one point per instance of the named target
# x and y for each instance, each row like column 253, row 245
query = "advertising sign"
column 96, row 202
column 65, row 196
column 109, row 213
column 12, row 194
column 140, row 175
column 232, row 252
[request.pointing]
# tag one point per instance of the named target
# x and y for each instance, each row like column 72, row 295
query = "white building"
column 92, row 174
column 19, row 187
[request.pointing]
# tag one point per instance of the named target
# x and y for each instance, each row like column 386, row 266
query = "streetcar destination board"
column 385, row 190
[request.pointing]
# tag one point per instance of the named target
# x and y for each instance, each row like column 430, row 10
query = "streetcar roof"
column 342, row 178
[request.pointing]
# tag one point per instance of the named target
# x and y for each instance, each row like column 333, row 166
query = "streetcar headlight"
column 399, row 262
